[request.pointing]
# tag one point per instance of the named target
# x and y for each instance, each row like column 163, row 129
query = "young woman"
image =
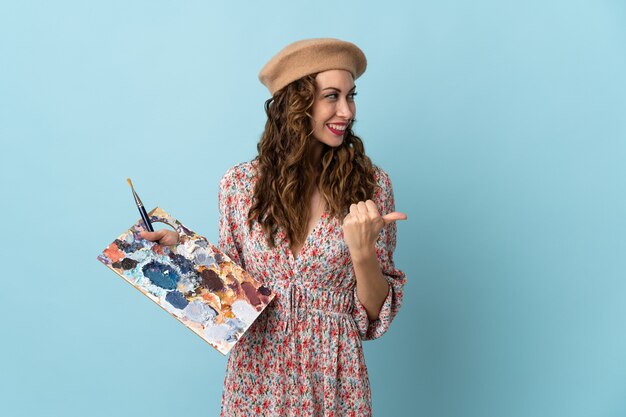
column 313, row 219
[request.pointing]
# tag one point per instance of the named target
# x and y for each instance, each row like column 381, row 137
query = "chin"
column 333, row 143
column 330, row 141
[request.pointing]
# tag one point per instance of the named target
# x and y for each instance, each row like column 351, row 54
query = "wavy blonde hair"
column 286, row 175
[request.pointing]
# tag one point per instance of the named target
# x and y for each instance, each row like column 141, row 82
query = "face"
column 334, row 106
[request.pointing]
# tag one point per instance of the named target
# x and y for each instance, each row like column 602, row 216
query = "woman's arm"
column 371, row 286
column 371, row 239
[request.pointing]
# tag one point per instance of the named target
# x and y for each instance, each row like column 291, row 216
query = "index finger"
column 371, row 207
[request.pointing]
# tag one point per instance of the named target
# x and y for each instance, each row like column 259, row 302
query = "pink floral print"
column 303, row 355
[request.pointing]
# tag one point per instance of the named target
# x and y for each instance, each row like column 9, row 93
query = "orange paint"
column 114, row 253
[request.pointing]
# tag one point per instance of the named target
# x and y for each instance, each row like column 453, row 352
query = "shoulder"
column 239, row 177
column 381, row 177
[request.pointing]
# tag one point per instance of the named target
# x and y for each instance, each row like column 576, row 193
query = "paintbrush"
column 142, row 210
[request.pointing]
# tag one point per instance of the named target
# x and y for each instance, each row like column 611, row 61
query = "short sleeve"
column 385, row 247
column 229, row 227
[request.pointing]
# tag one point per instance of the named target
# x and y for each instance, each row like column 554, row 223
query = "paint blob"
column 161, row 275
column 211, row 281
column 177, row 299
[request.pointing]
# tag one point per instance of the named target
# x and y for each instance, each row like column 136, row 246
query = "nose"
column 345, row 109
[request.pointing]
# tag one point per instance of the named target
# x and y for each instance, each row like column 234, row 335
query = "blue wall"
column 502, row 125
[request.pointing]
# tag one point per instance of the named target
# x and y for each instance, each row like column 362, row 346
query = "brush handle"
column 146, row 219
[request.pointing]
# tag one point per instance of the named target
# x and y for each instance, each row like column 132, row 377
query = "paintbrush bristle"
column 130, row 182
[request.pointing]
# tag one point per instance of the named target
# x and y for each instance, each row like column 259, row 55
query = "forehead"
column 341, row 79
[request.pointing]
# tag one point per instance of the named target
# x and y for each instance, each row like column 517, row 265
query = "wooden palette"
column 193, row 281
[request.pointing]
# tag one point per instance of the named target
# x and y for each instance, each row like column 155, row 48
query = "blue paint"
column 177, row 299
column 204, row 257
column 161, row 275
column 184, row 264
column 129, row 247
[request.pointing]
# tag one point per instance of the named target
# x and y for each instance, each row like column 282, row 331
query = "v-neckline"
column 297, row 257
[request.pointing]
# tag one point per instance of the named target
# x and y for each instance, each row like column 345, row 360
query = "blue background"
column 502, row 125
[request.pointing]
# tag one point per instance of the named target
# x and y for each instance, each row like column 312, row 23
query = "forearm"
column 371, row 286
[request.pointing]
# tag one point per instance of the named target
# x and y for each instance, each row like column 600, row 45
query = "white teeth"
column 338, row 127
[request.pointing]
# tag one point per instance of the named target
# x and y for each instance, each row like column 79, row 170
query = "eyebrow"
column 338, row 89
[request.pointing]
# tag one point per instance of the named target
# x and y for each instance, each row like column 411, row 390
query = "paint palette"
column 193, row 281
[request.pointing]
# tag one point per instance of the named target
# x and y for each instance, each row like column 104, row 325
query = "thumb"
column 153, row 236
column 393, row 216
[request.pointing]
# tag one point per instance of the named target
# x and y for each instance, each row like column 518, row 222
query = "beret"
column 309, row 56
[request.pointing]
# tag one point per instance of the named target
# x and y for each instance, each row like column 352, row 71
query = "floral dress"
column 303, row 355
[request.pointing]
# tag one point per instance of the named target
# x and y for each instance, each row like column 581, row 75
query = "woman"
column 305, row 218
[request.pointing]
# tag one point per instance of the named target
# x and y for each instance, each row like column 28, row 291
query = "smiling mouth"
column 338, row 130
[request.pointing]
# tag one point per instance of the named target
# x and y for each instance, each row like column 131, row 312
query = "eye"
column 334, row 95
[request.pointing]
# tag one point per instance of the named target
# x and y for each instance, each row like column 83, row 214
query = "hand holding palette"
column 193, row 281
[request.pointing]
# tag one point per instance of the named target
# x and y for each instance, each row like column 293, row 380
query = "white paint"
column 244, row 311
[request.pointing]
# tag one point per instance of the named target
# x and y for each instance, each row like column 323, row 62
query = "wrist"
column 363, row 255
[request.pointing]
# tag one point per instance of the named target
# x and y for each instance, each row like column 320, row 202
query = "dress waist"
column 330, row 301
column 295, row 302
